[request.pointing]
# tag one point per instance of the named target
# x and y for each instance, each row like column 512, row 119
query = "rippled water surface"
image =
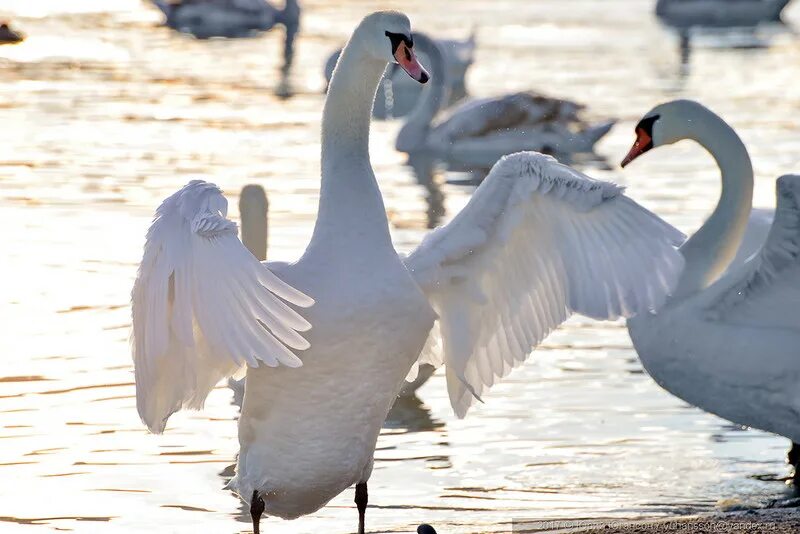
column 103, row 113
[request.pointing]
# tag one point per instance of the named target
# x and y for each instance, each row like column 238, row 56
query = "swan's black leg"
column 256, row 509
column 361, row 504
column 794, row 459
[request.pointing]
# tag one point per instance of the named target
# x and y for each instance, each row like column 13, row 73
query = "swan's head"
column 388, row 37
column 665, row 124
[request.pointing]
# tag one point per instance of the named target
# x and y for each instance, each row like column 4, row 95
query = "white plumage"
column 536, row 242
column 203, row 306
column 727, row 341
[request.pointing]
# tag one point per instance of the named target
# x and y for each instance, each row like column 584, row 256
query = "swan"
column 205, row 19
column 397, row 94
column 728, row 344
column 8, row 35
column 475, row 134
column 719, row 13
column 536, row 242
column 253, row 211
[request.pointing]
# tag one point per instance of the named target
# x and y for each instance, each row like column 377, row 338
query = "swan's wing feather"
column 482, row 117
column 203, row 307
column 536, row 242
column 766, row 290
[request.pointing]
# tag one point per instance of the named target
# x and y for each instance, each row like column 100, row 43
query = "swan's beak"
column 408, row 62
column 642, row 144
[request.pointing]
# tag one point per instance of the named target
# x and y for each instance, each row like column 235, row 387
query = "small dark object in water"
column 9, row 35
column 425, row 529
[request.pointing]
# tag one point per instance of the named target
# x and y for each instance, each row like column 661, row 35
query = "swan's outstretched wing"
column 536, row 242
column 203, row 307
column 765, row 291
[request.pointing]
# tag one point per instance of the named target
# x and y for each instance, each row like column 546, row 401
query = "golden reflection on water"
column 104, row 113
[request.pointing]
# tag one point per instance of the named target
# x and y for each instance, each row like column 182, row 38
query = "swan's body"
column 228, row 18
column 719, row 13
column 536, row 242
column 402, row 94
column 755, row 235
column 253, row 216
column 730, row 344
column 369, row 326
column 477, row 133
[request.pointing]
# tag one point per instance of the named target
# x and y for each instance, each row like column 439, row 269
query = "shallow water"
column 104, row 113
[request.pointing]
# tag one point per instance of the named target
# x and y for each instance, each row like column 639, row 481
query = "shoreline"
column 772, row 520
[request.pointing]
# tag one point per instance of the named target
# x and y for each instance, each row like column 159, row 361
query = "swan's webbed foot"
column 256, row 509
column 361, row 504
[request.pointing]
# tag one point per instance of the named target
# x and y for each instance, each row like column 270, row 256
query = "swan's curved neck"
column 432, row 97
column 711, row 249
column 351, row 208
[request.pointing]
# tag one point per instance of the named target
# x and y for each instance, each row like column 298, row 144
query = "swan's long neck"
column 711, row 249
column 351, row 209
column 432, row 97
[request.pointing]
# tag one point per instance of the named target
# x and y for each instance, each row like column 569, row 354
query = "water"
column 104, row 114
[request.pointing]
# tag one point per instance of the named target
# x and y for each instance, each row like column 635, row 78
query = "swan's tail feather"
column 594, row 133
column 777, row 8
column 163, row 5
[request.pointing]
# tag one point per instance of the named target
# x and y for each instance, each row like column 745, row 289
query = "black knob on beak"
column 425, row 529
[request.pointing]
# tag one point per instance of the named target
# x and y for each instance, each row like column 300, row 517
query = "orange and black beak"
column 403, row 52
column 644, row 139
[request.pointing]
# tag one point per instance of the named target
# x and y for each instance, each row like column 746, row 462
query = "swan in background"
column 253, row 212
column 228, row 18
column 719, row 13
column 8, row 35
column 536, row 242
column 728, row 344
column 397, row 94
column 474, row 135
column 205, row 19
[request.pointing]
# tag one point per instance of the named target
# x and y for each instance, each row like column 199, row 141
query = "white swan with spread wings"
column 536, row 242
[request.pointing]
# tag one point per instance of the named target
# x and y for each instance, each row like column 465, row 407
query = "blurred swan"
column 474, row 135
column 728, row 344
column 397, row 95
column 8, row 35
column 719, row 13
column 536, row 242
column 228, row 18
column 205, row 19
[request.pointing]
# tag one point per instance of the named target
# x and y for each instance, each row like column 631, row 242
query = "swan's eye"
column 397, row 39
column 646, row 124
column 644, row 139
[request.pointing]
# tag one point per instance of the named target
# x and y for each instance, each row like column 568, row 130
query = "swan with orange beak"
column 403, row 52
column 644, row 139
